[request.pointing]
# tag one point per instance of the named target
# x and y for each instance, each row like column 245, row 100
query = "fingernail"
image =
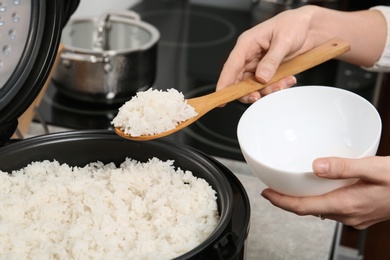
column 291, row 81
column 252, row 99
column 264, row 194
column 321, row 167
column 265, row 75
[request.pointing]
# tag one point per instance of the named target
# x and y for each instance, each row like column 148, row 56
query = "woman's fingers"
column 299, row 205
column 269, row 63
column 351, row 205
column 370, row 169
column 284, row 83
column 360, row 205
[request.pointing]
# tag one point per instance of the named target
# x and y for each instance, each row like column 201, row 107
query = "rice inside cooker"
column 153, row 112
column 139, row 210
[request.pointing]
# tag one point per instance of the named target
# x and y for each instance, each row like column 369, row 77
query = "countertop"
column 274, row 233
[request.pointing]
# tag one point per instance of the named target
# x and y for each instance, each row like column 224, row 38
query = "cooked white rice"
column 135, row 211
column 153, row 112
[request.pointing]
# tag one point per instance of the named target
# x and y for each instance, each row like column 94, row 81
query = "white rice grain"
column 153, row 112
column 136, row 211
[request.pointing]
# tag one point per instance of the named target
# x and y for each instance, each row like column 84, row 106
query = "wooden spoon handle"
column 307, row 60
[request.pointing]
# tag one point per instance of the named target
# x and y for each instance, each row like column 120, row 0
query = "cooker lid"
column 30, row 31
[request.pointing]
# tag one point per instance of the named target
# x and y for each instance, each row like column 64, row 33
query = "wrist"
column 323, row 25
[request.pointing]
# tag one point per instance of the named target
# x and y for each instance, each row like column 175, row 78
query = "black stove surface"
column 195, row 41
column 59, row 109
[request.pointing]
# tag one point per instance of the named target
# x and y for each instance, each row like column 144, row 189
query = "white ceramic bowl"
column 281, row 134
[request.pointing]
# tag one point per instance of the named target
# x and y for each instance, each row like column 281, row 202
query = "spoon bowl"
column 206, row 103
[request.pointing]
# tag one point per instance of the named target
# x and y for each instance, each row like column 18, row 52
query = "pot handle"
column 85, row 57
column 124, row 14
column 101, row 41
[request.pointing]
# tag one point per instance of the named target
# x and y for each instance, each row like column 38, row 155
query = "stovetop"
column 195, row 42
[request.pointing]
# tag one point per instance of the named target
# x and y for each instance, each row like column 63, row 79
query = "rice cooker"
column 30, row 32
column 78, row 148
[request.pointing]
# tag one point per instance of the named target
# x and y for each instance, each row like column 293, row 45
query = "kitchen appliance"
column 195, row 41
column 78, row 148
column 107, row 59
column 26, row 67
column 30, row 32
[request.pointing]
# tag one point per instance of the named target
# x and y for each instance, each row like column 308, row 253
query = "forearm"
column 260, row 50
column 366, row 31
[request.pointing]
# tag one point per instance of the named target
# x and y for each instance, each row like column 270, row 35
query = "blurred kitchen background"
column 196, row 38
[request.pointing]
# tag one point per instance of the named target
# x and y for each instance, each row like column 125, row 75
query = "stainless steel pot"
column 107, row 59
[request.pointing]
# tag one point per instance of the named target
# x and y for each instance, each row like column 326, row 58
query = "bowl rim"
column 240, row 127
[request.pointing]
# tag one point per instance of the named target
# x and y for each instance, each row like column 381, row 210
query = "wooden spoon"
column 204, row 104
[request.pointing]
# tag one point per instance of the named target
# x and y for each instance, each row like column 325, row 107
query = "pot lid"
column 30, row 32
column 112, row 33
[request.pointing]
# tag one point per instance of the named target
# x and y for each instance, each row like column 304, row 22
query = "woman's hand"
column 360, row 205
column 260, row 50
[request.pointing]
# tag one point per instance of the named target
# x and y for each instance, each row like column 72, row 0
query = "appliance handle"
column 226, row 247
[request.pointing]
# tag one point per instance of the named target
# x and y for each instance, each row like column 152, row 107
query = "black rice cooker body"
column 78, row 148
